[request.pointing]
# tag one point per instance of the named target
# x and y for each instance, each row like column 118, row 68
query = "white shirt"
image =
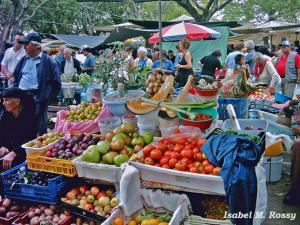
column 69, row 67
column 270, row 76
column 12, row 58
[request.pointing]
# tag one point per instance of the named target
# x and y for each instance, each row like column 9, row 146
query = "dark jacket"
column 76, row 65
column 48, row 77
column 16, row 131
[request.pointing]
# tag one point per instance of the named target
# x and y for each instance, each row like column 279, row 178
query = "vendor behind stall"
column 167, row 64
column 18, row 125
column 265, row 72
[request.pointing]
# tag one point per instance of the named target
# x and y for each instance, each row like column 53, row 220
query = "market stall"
column 154, row 155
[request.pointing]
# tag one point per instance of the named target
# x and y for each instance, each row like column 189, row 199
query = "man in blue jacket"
column 38, row 75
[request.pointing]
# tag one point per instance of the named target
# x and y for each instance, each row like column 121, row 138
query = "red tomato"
column 189, row 146
column 197, row 164
column 200, row 169
column 190, row 165
column 216, row 171
column 194, row 142
column 185, row 160
column 178, row 148
column 141, row 159
column 161, row 146
column 156, row 154
column 202, row 117
column 181, row 166
column 149, row 161
column 200, row 143
column 195, row 150
column 179, row 140
column 205, row 163
column 166, row 166
column 208, row 169
column 185, row 153
column 168, row 153
column 175, row 155
column 194, row 169
column 176, row 130
column 164, row 160
column 147, row 149
column 157, row 164
column 172, row 162
column 198, row 157
column 170, row 146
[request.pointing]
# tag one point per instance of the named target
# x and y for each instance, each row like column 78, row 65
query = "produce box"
column 6, row 207
column 200, row 182
column 13, row 188
column 91, row 201
column 248, row 126
column 58, row 158
column 98, row 171
column 43, row 142
column 37, row 215
column 158, row 206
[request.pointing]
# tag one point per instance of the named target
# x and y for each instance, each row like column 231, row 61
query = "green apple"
column 119, row 136
column 119, row 159
column 103, row 147
column 108, row 158
column 137, row 141
column 91, row 155
column 147, row 137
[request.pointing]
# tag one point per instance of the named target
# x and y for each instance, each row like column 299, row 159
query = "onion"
column 155, row 89
column 155, row 84
column 152, row 78
column 159, row 76
column 149, row 90
column 151, row 85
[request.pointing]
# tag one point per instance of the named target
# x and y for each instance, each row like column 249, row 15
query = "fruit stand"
column 105, row 162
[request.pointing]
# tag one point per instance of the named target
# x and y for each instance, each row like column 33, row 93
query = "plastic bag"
column 262, row 196
column 193, row 131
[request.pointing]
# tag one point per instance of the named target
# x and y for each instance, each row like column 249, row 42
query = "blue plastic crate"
column 29, row 192
column 240, row 106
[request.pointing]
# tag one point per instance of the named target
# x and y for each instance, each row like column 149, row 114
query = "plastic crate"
column 25, row 219
column 29, row 192
column 240, row 106
column 36, row 160
column 79, row 211
column 5, row 221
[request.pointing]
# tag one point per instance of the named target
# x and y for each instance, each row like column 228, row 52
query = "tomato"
column 179, row 140
column 197, row 164
column 149, row 161
column 157, row 164
column 196, row 150
column 185, row 153
column 178, row 148
column 147, row 149
column 205, row 162
column 164, row 160
column 200, row 143
column 156, row 154
column 189, row 146
column 202, row 117
column 200, row 169
column 194, row 142
column 216, row 171
column 141, row 159
column 166, row 166
column 208, row 169
column 198, row 157
column 175, row 155
column 168, row 153
column 194, row 169
column 161, row 146
column 176, row 130
column 170, row 146
column 172, row 162
column 185, row 160
column 181, row 166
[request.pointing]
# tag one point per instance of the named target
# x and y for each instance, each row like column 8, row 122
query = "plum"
column 75, row 149
column 67, row 150
column 61, row 147
column 91, row 142
column 69, row 155
column 84, row 146
column 96, row 139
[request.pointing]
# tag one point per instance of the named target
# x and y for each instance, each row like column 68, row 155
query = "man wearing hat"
column 89, row 64
column 288, row 67
column 38, row 74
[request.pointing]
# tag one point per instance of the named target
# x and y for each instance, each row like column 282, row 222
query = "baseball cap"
column 33, row 37
column 285, row 43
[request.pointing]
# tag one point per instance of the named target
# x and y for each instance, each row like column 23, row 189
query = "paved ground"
column 276, row 192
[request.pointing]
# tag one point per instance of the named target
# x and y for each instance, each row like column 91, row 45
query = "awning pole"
column 160, row 35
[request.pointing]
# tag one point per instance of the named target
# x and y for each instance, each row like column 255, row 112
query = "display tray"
column 30, row 149
column 200, row 182
column 37, row 161
column 76, row 210
column 29, row 192
column 5, row 221
column 110, row 173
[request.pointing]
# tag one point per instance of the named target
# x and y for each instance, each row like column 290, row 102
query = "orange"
column 132, row 222
column 118, row 221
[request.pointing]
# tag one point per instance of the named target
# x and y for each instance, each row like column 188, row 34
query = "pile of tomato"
column 179, row 153
column 200, row 117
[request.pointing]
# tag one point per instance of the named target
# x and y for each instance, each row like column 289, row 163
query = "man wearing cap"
column 288, row 67
column 11, row 58
column 89, row 64
column 38, row 74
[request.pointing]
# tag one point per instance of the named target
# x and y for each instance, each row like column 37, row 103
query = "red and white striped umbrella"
column 183, row 30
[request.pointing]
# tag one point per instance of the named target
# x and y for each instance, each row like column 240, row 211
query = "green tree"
column 261, row 11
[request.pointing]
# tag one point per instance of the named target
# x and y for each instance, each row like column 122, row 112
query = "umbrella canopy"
column 182, row 30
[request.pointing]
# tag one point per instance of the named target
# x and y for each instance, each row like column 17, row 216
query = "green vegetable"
column 165, row 218
column 84, row 79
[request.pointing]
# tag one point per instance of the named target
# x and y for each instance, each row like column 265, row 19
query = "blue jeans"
column 42, row 116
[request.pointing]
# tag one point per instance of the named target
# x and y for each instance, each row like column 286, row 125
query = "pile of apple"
column 44, row 140
column 179, row 153
column 84, row 112
column 92, row 199
column 118, row 146
column 68, row 148
column 154, row 82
